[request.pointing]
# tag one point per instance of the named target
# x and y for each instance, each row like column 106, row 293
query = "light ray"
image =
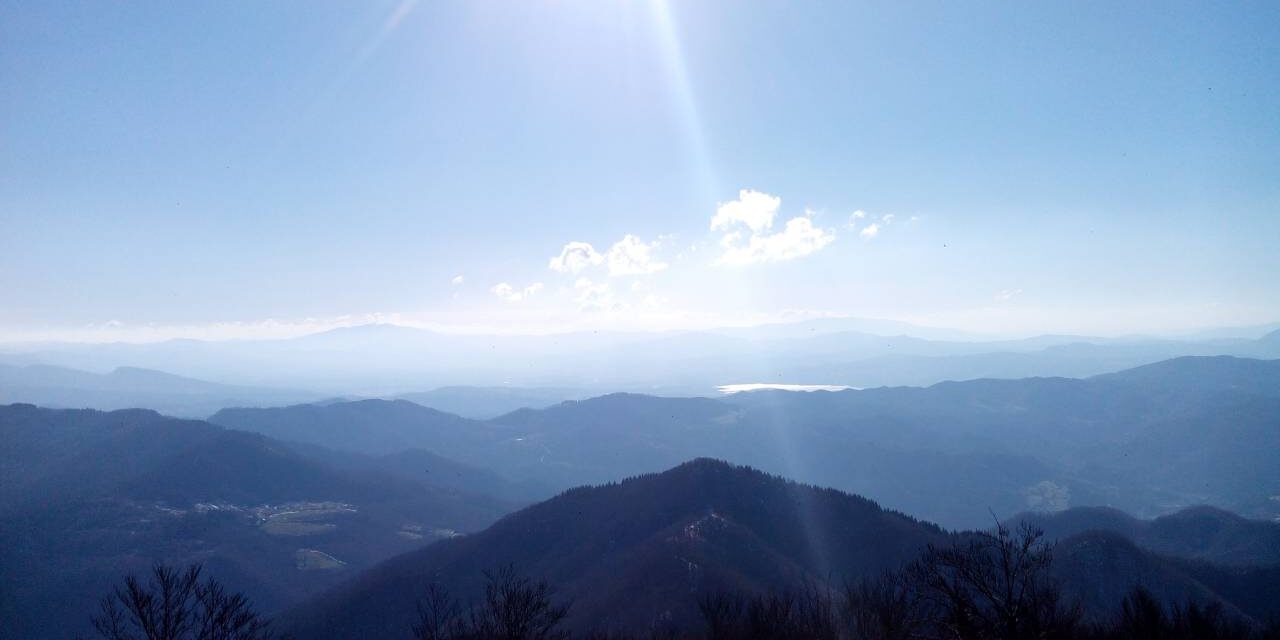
column 686, row 103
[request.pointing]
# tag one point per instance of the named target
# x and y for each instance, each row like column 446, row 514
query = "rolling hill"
column 1197, row 533
column 90, row 495
column 1150, row 440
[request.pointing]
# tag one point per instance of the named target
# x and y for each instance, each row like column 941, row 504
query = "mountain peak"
column 630, row 551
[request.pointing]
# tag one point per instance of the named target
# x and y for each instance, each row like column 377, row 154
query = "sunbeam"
column 686, row 103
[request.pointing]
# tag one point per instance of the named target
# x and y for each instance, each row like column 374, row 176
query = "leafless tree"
column 804, row 614
column 995, row 586
column 440, row 617
column 176, row 605
column 516, row 607
column 884, row 607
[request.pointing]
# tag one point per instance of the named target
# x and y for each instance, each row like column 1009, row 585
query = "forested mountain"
column 1149, row 440
column 288, row 500
column 636, row 552
column 89, row 495
column 366, row 426
column 1098, row 569
column 642, row 553
column 1197, row 533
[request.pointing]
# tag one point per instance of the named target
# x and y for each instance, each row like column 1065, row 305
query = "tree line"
column 992, row 586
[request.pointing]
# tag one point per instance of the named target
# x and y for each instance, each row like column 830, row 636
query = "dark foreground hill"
column 1099, row 568
column 87, row 496
column 637, row 552
column 642, row 552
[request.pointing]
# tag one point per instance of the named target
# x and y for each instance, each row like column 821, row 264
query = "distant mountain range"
column 631, row 554
column 322, row 491
column 1148, row 440
column 86, row 496
column 389, row 360
column 483, row 403
column 285, row 502
column 131, row 387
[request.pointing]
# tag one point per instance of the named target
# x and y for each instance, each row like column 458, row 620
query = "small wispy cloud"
column 870, row 231
column 1006, row 295
column 574, row 257
column 630, row 256
column 593, row 296
column 457, row 280
column 509, row 293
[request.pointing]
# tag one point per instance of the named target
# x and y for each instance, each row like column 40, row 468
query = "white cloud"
column 870, row 231
column 752, row 208
column 629, row 257
column 799, row 238
column 859, row 214
column 756, row 211
column 509, row 293
column 887, row 218
column 1007, row 295
column 574, row 257
column 457, row 280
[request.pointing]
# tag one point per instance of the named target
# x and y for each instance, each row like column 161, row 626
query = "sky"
column 259, row 169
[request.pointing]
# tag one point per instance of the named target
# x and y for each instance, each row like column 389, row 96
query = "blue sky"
column 243, row 169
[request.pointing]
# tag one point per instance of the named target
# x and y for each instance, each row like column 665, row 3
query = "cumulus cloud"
column 752, row 208
column 755, row 244
column 457, row 280
column 859, row 214
column 574, row 257
column 887, row 218
column 797, row 239
column 629, row 257
column 870, row 231
column 509, row 293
